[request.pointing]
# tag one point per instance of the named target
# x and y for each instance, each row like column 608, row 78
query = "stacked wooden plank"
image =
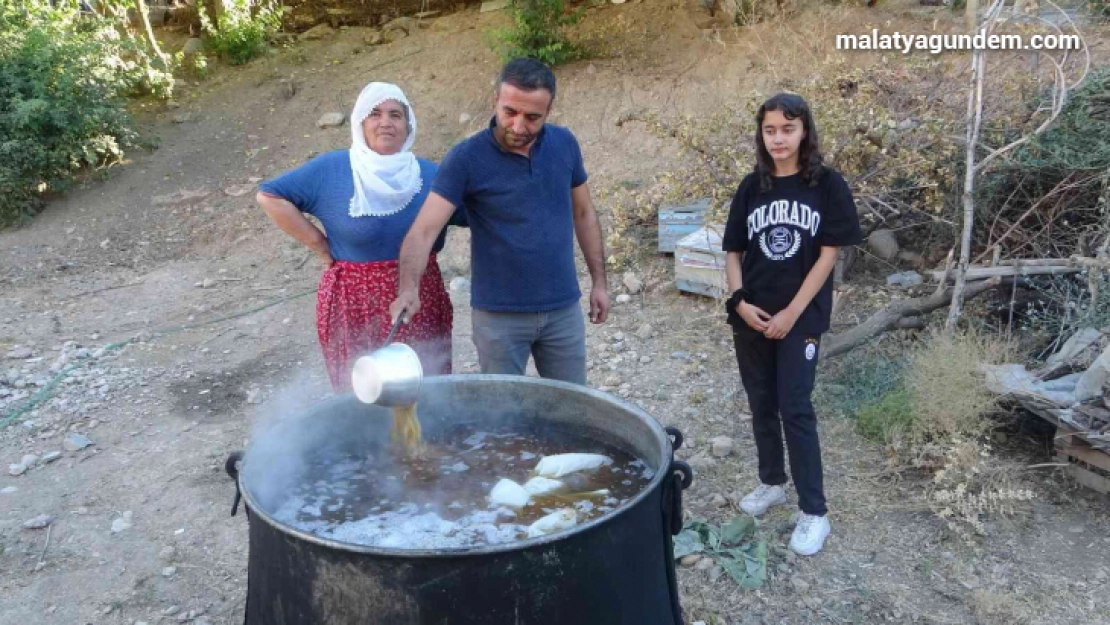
column 1072, row 392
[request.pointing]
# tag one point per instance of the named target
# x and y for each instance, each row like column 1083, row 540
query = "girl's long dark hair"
column 810, row 161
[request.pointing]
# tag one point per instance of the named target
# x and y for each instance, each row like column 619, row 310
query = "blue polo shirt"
column 520, row 216
column 323, row 187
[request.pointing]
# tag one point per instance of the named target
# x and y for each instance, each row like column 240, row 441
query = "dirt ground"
column 170, row 253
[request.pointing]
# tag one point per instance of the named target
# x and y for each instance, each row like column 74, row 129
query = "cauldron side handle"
column 232, row 468
column 679, row 477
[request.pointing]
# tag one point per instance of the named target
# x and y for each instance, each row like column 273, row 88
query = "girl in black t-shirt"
column 786, row 221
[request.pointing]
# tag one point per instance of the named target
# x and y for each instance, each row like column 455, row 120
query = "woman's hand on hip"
column 325, row 259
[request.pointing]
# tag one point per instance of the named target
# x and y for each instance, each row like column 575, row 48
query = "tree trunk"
column 971, row 15
column 905, row 313
column 974, row 117
column 144, row 18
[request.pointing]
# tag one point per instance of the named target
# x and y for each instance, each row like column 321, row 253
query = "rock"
column 122, row 523
column 167, row 554
column 460, row 284
column 76, row 442
column 170, row 611
column 613, row 380
column 287, row 88
column 464, row 118
column 799, row 584
column 206, row 283
column 20, row 353
column 193, row 46
column 7, row 490
column 318, row 32
column 705, row 564
column 17, row 469
column 883, row 244
column 183, row 118
column 905, row 279
column 680, row 355
column 721, row 446
column 51, row 457
column 169, row 571
column 633, row 283
column 395, row 35
column 913, row 258
column 715, row 573
column 374, row 38
column 718, row 501
column 644, row 332
column 331, row 120
column 39, row 522
column 406, row 24
column 701, row 462
column 29, row 460
column 494, row 5
column 624, row 298
column 690, row 560
column 644, row 360
column 254, row 396
column 239, row 190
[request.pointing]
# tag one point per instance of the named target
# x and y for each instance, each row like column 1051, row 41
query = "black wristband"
column 739, row 295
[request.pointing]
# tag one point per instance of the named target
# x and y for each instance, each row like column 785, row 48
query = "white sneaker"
column 810, row 534
column 759, row 500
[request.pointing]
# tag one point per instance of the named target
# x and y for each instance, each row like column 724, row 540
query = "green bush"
column 538, row 32
column 241, row 34
column 887, row 418
column 64, row 79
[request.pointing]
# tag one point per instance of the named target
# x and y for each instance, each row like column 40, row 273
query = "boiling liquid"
column 438, row 500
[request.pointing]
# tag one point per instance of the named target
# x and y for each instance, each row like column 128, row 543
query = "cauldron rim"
column 665, row 449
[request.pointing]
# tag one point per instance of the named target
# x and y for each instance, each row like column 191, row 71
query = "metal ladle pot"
column 389, row 376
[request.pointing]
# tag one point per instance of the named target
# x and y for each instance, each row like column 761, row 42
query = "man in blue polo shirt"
column 524, row 187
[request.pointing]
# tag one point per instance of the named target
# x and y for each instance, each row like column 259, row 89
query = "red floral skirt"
column 352, row 317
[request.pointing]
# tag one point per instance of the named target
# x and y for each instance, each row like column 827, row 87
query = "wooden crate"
column 1087, row 465
column 699, row 262
column 676, row 222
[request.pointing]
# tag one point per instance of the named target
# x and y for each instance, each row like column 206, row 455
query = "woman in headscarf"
column 366, row 198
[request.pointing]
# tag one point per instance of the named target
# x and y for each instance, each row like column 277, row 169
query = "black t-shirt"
column 781, row 233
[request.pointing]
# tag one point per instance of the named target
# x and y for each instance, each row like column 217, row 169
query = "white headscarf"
column 383, row 184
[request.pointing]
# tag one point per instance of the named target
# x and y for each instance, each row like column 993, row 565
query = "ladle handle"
column 393, row 330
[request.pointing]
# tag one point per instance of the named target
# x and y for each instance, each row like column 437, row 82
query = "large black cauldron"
column 617, row 569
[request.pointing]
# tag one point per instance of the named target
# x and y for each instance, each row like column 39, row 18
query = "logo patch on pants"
column 811, row 348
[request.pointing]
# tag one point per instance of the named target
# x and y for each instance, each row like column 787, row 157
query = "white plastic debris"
column 509, row 493
column 565, row 464
column 554, row 522
column 540, row 486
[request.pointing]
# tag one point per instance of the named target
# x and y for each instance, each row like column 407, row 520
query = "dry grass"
column 946, row 389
